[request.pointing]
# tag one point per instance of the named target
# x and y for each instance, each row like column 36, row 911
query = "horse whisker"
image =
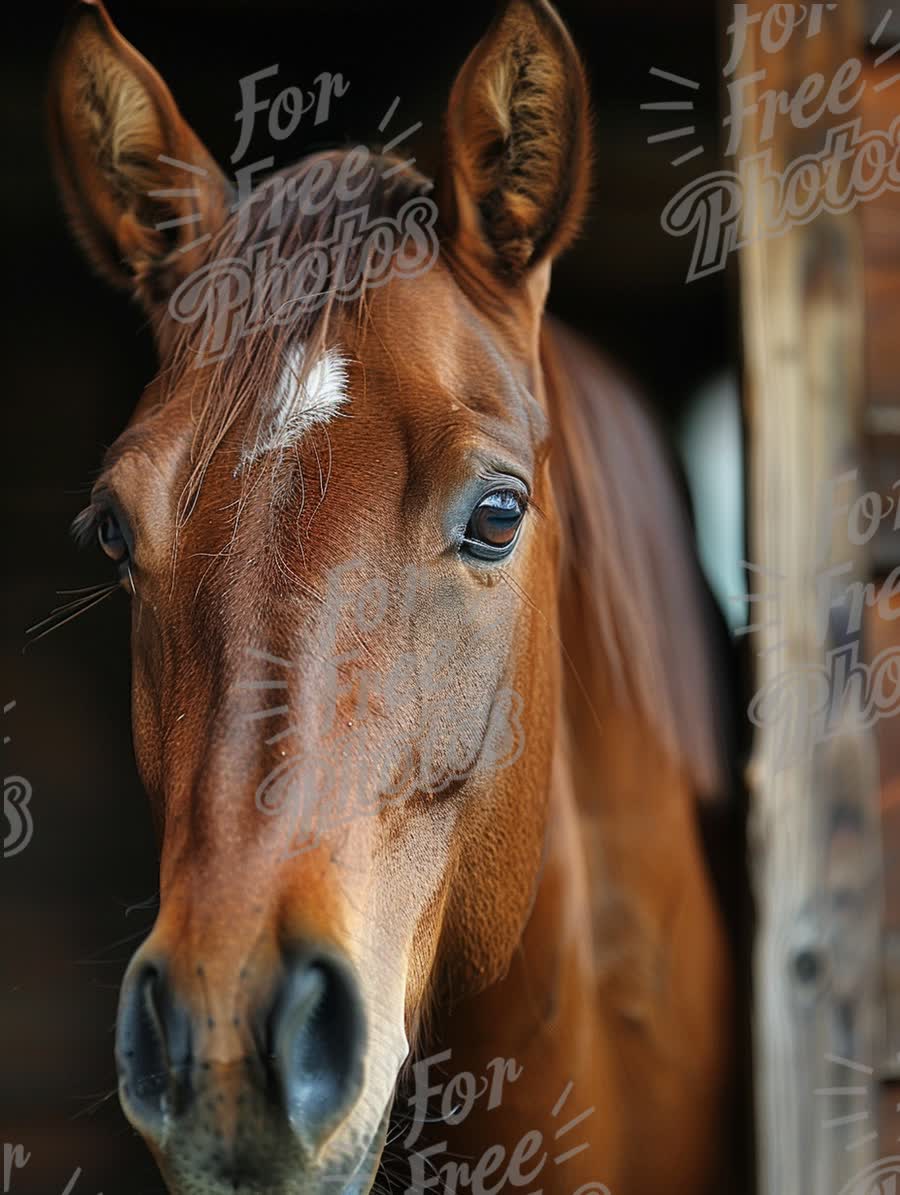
column 78, row 601
column 97, row 1103
column 86, row 595
column 94, row 958
column 87, row 603
column 149, row 902
column 84, row 589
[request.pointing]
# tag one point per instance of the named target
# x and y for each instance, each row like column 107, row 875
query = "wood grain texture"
column 815, row 816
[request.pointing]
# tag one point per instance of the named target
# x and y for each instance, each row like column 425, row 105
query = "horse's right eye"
column 111, row 539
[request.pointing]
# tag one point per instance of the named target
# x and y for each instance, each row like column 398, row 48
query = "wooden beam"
column 814, row 821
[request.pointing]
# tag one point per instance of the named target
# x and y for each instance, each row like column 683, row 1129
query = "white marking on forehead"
column 301, row 402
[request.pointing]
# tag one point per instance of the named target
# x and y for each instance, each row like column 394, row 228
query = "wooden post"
column 814, row 824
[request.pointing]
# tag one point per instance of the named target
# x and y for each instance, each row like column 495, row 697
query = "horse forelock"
column 247, row 389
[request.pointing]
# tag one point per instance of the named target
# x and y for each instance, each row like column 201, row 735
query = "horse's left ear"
column 513, row 184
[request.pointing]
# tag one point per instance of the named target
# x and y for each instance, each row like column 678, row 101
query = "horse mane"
column 226, row 390
column 630, row 579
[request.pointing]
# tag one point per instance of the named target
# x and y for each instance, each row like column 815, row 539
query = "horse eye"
column 111, row 539
column 494, row 525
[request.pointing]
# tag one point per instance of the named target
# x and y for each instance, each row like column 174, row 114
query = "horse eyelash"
column 84, row 526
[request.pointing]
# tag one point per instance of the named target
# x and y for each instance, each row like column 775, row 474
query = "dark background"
column 77, row 901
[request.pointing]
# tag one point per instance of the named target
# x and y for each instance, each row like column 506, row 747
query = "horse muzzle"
column 262, row 1104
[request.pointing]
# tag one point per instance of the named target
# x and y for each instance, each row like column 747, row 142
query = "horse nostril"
column 317, row 1042
column 153, row 1041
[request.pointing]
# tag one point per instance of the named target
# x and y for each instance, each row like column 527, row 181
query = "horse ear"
column 514, row 180
column 140, row 189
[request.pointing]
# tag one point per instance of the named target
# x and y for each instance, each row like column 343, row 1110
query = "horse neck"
column 639, row 740
column 622, row 852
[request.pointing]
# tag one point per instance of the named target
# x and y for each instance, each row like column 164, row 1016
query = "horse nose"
column 316, row 1038
column 153, row 1044
column 308, row 1048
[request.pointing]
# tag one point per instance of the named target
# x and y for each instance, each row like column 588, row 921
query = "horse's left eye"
column 111, row 539
column 493, row 526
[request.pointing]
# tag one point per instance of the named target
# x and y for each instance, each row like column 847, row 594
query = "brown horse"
column 421, row 688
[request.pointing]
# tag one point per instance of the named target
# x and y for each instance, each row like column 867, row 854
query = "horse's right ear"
column 141, row 191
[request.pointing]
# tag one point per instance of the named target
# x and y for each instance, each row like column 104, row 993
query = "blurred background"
column 78, row 899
